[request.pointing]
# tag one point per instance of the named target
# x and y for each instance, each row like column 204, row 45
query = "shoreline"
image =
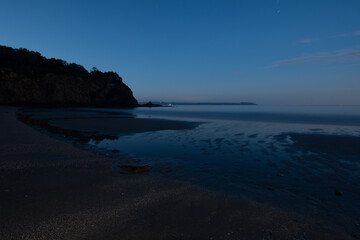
column 52, row 190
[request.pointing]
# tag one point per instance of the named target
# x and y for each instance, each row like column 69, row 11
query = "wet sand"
column 108, row 123
column 51, row 190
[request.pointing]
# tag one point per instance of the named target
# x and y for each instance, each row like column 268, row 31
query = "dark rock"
column 356, row 236
column 29, row 79
column 115, row 151
column 280, row 175
column 268, row 235
column 128, row 169
column 338, row 193
column 150, row 104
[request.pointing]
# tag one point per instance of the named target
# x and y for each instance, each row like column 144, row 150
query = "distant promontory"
column 213, row 103
column 29, row 79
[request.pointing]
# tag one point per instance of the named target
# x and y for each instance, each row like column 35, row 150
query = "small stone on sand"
column 338, row 193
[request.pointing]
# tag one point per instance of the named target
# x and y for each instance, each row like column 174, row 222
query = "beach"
column 51, row 189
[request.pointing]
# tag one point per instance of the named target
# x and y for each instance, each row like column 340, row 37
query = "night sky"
column 268, row 52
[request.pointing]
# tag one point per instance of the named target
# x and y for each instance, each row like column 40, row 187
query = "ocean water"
column 300, row 158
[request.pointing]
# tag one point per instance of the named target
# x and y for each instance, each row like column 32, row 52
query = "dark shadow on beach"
column 85, row 125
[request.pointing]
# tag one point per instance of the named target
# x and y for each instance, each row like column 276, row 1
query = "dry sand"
column 51, row 190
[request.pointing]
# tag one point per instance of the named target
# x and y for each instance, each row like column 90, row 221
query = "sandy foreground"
column 51, row 190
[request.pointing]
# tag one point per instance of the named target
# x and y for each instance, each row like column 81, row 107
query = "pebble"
column 338, row 193
column 356, row 236
column 268, row 235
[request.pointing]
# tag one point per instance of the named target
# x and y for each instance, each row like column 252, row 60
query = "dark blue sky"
column 268, row 52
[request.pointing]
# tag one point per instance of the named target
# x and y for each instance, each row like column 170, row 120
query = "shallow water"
column 293, row 157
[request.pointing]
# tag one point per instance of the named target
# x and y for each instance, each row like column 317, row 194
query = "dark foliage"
column 28, row 78
column 32, row 63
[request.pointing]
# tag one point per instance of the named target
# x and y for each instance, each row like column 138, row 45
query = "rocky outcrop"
column 29, row 79
column 129, row 169
column 150, row 104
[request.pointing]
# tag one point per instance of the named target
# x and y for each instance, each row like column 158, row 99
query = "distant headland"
column 29, row 79
column 211, row 103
